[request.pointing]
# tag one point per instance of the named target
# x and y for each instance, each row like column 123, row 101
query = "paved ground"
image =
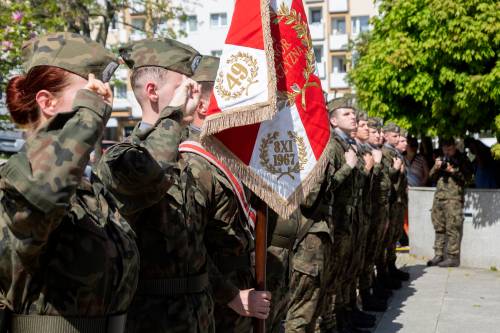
column 442, row 300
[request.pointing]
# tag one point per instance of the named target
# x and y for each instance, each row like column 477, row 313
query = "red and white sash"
column 196, row 148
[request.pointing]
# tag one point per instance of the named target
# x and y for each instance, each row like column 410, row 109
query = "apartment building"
column 205, row 28
column 333, row 24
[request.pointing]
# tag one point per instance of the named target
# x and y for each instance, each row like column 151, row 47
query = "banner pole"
column 260, row 257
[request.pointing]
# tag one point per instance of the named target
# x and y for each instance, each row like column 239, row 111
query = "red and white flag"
column 267, row 118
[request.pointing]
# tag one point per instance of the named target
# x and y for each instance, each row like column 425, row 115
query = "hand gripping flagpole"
column 260, row 257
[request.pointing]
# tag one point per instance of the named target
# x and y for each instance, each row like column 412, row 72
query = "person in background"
column 451, row 173
column 486, row 169
column 417, row 169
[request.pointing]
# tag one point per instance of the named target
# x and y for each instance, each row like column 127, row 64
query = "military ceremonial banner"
column 267, row 119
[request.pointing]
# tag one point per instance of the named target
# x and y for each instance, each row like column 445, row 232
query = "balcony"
column 338, row 80
column 317, row 31
column 337, row 6
column 339, row 42
column 321, row 70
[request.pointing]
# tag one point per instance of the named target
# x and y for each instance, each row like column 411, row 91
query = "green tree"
column 432, row 65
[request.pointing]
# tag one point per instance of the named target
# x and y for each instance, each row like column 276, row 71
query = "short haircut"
column 141, row 75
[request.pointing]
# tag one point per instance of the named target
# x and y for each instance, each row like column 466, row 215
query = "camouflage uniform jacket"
column 226, row 235
column 161, row 199
column 375, row 188
column 342, row 182
column 390, row 175
column 64, row 249
column 452, row 185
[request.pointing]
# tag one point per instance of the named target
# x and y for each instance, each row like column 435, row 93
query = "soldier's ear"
column 202, row 108
column 151, row 91
column 46, row 102
column 333, row 121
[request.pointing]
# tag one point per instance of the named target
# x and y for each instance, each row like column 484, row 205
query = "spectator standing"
column 486, row 169
column 451, row 173
column 417, row 169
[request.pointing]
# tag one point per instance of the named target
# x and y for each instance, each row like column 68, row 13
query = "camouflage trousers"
column 189, row 313
column 381, row 235
column 448, row 220
column 311, row 279
column 396, row 229
column 355, row 269
column 374, row 238
column 277, row 281
column 339, row 294
column 226, row 320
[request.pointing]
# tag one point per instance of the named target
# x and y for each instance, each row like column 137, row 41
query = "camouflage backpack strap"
column 250, row 214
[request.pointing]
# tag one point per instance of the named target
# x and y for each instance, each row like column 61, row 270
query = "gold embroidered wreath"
column 253, row 67
column 264, row 154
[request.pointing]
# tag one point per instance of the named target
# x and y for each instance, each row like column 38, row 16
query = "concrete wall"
column 481, row 237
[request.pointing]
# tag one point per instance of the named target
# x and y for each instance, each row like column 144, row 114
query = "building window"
column 338, row 26
column 316, row 15
column 216, row 53
column 360, row 24
column 218, row 20
column 190, row 24
column 139, row 24
column 121, row 91
column 318, row 53
column 339, row 64
column 137, row 6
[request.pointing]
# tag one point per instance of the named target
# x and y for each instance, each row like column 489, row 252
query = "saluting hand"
column 187, row 95
column 252, row 303
column 100, row 88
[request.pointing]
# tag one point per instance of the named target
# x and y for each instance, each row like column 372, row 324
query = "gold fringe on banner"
column 247, row 115
column 283, row 206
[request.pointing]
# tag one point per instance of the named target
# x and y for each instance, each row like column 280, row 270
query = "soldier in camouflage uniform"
column 281, row 236
column 392, row 168
column 344, row 189
column 451, row 172
column 374, row 203
column 397, row 213
column 369, row 171
column 69, row 261
column 158, row 193
column 311, row 264
column 229, row 234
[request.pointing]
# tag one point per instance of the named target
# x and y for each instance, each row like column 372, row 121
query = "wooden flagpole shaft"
column 260, row 257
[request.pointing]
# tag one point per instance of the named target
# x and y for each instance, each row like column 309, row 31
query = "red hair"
column 22, row 90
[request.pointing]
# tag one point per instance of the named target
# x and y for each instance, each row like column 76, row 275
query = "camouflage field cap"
column 403, row 132
column 72, row 52
column 346, row 101
column 207, row 70
column 391, row 127
column 161, row 52
column 375, row 122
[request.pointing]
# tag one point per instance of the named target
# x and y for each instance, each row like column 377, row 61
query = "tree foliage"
column 432, row 65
